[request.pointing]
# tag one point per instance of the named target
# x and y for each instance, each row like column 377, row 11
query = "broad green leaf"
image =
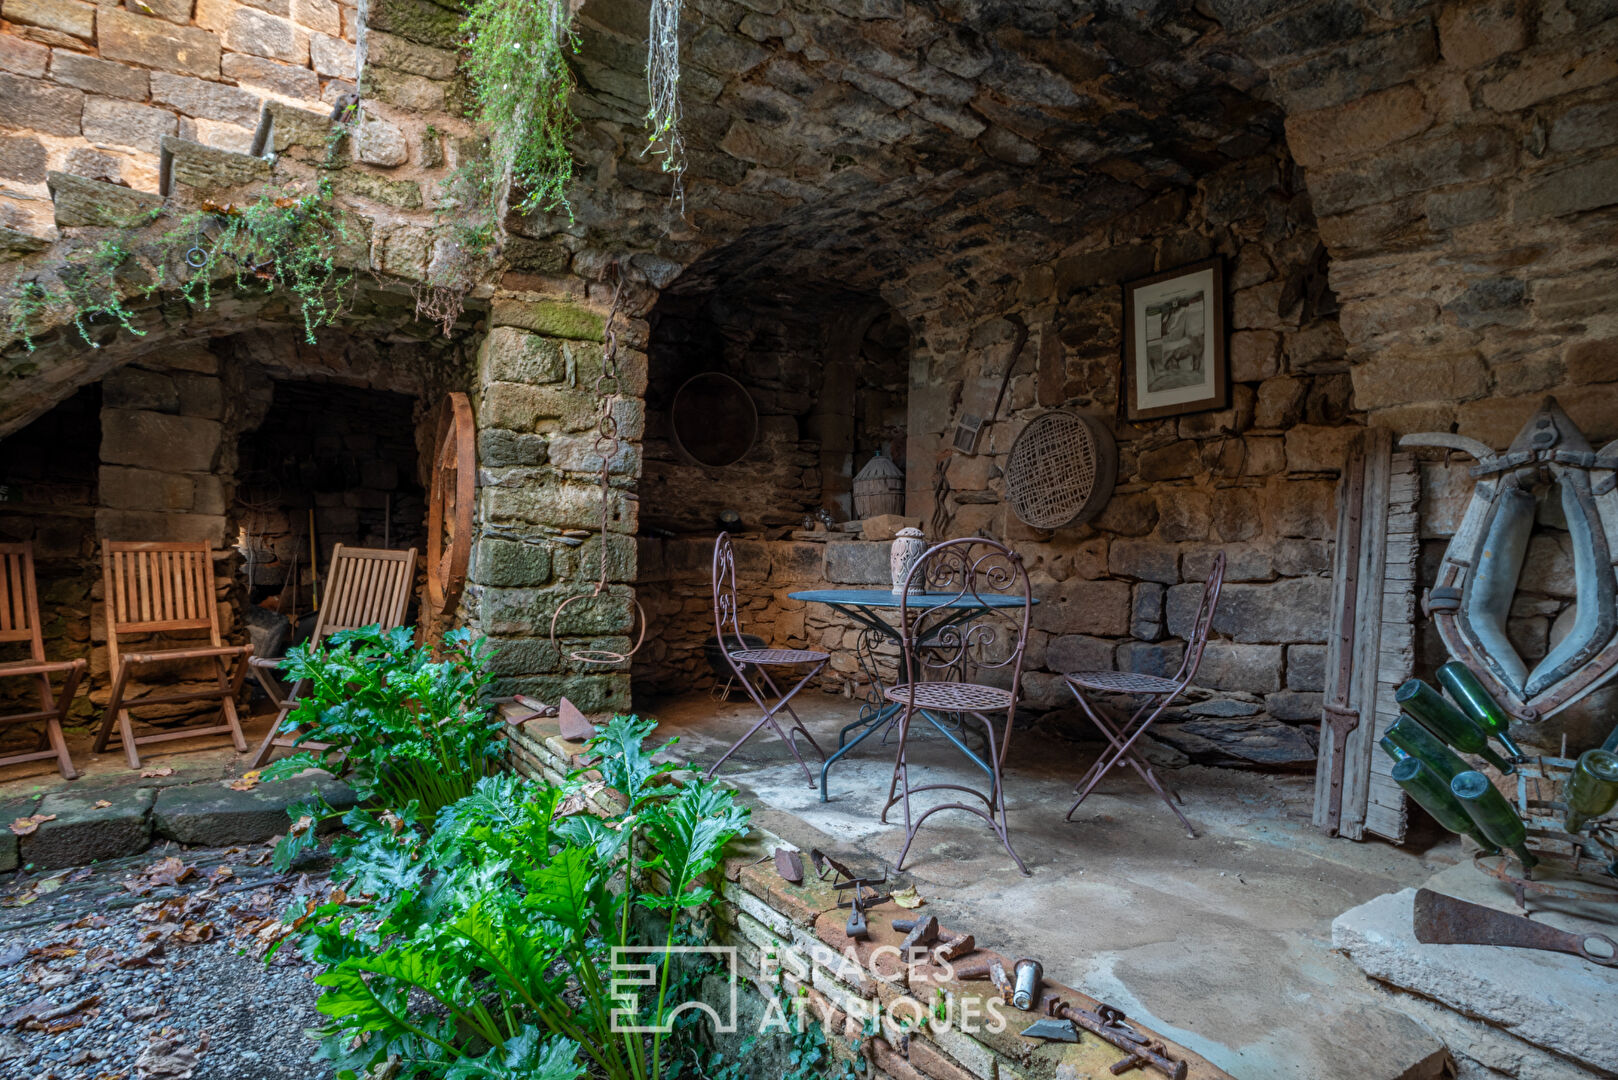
column 526, row 1056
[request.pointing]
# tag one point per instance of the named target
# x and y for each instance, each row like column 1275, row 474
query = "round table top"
column 887, row 598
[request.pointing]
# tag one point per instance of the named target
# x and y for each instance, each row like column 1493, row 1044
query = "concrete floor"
column 1222, row 942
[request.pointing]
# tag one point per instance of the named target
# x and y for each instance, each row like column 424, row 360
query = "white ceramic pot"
column 908, row 545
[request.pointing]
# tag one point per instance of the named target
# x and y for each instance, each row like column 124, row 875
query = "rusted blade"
column 789, row 865
column 575, row 727
column 1444, row 920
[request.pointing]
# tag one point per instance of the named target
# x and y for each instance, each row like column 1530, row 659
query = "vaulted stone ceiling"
column 840, row 140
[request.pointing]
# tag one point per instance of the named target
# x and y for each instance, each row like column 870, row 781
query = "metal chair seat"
column 778, row 657
column 950, row 696
column 1121, row 682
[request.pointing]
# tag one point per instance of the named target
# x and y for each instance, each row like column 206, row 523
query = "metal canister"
column 1025, row 987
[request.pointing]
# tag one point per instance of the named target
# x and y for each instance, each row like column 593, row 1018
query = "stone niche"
column 827, row 371
column 234, row 442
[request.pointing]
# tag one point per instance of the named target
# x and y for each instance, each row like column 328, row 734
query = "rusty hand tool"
column 856, row 927
column 922, row 932
column 1111, row 1025
column 1052, row 1030
column 956, row 948
column 1444, row 920
column 789, row 865
column 981, row 968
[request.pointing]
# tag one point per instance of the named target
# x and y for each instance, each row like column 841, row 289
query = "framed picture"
column 1174, row 342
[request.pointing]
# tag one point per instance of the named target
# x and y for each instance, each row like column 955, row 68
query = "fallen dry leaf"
column 46, row 886
column 166, row 1059
column 142, row 1012
column 153, row 774
column 221, row 873
column 248, row 781
column 908, row 898
column 102, row 804
column 26, row 826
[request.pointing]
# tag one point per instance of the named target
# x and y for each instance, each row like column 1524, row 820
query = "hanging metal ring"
column 197, row 257
column 599, row 656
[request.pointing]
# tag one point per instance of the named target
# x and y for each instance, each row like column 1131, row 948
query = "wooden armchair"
column 156, row 588
column 364, row 587
column 19, row 621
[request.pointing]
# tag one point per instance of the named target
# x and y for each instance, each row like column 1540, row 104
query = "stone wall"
column 1254, row 480
column 539, row 518
column 675, row 586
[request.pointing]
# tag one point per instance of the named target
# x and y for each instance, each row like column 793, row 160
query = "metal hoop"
column 600, row 656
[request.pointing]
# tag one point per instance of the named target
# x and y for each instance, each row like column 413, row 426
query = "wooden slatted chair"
column 19, row 621
column 364, row 587
column 158, row 588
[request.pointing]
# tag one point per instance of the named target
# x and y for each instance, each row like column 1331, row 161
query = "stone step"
column 206, row 168
column 83, row 202
column 109, row 821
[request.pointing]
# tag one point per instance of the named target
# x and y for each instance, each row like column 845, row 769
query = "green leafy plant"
column 409, row 733
column 484, row 949
column 516, row 54
column 91, row 287
column 277, row 241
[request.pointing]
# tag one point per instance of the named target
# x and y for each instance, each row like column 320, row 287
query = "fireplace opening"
column 328, row 464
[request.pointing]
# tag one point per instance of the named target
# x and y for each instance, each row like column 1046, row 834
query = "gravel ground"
column 151, row 968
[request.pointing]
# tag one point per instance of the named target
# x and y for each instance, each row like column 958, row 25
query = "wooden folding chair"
column 364, row 587
column 19, row 621
column 156, row 588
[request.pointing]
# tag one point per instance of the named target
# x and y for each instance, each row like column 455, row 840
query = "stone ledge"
column 1558, row 1002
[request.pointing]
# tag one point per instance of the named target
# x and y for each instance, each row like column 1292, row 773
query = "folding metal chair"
column 728, row 627
column 364, row 587
column 1157, row 694
column 946, row 657
column 155, row 588
column 19, row 621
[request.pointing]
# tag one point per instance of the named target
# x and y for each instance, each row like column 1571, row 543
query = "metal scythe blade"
column 1444, row 920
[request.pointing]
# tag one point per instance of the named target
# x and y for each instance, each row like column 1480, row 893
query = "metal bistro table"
column 861, row 605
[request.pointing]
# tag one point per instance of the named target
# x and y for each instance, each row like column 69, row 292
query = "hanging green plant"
column 277, row 241
column 281, row 241
column 517, row 59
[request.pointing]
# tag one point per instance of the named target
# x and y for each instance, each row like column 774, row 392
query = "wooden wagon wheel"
column 449, row 513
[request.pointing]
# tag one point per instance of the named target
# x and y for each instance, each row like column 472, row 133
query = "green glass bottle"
column 1592, row 790
column 1447, row 722
column 1392, row 749
column 1493, row 814
column 1431, row 792
column 1477, row 703
column 1418, row 742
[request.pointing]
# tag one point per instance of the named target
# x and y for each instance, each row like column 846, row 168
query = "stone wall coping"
column 769, row 913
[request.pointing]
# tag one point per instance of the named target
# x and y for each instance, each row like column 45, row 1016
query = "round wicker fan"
column 1061, row 470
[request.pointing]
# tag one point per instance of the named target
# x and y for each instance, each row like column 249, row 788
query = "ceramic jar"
column 908, row 545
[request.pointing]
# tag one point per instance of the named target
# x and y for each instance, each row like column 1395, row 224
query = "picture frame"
column 1174, row 342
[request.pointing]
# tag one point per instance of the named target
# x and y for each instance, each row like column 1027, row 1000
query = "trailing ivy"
column 516, row 58
column 277, row 241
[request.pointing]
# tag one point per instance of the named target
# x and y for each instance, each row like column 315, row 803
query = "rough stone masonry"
column 1414, row 203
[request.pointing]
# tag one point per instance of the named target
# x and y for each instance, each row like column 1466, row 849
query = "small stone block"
column 217, row 815
column 83, row 832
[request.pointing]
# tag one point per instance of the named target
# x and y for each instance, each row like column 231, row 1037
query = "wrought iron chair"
column 364, row 587
column 153, row 589
column 945, row 660
column 1157, row 694
column 19, row 621
column 742, row 660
